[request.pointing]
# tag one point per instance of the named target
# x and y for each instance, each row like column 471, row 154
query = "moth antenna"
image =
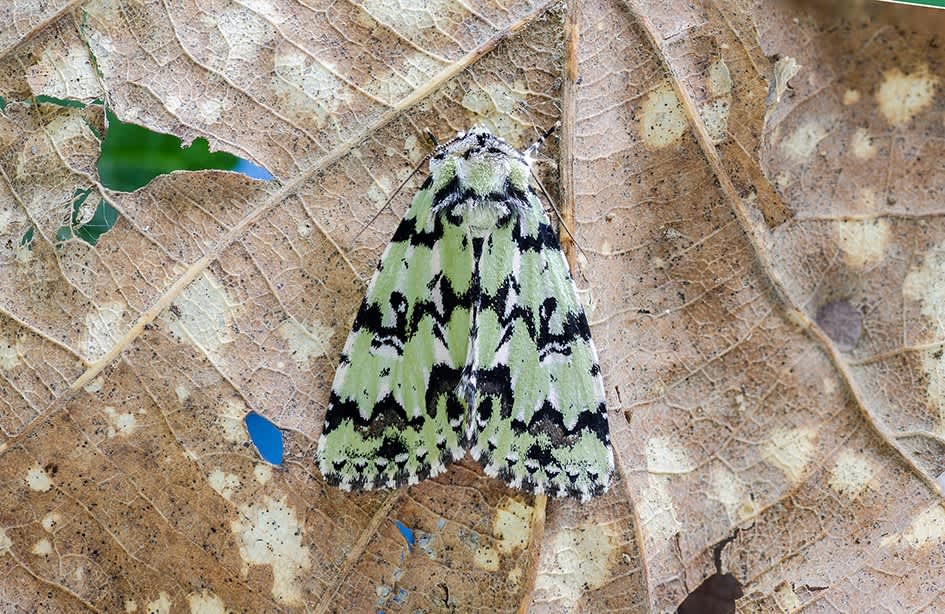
column 387, row 203
column 533, row 149
column 389, row 199
column 557, row 213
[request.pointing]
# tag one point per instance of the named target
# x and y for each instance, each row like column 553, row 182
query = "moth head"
column 481, row 162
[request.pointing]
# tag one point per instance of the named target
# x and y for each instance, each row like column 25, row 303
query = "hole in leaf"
column 716, row 595
column 27, row 237
column 61, row 102
column 407, row 532
column 130, row 157
column 133, row 155
column 718, row 592
column 266, row 436
column 251, row 170
column 90, row 229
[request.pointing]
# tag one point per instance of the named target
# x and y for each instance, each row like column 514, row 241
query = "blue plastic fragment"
column 406, row 532
column 266, row 436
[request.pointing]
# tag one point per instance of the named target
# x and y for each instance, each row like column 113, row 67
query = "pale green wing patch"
column 393, row 399
column 542, row 422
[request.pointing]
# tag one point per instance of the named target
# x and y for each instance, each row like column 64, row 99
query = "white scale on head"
column 485, row 165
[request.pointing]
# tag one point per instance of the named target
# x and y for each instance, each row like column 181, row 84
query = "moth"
column 471, row 338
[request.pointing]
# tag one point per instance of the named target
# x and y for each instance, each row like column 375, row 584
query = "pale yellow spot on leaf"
column 38, row 479
column 927, row 528
column 42, row 548
column 863, row 242
column 205, row 602
column 902, row 96
column 306, row 341
column 307, row 88
column 786, row 598
column 804, row 140
column 662, row 121
column 515, row 576
column 926, row 284
column 224, row 483
column 576, row 560
column 230, row 419
column 715, row 116
column 103, row 328
column 411, row 21
column 790, row 451
column 851, row 473
column 726, row 488
column 268, row 9
column 161, row 605
column 720, row 79
column 246, row 34
column 663, row 456
column 173, row 103
column 851, row 97
column 51, row 521
column 415, row 152
column 120, row 423
column 512, row 525
column 95, row 385
column 486, row 558
column 862, row 144
column 182, row 392
column 658, row 520
column 64, row 75
column 9, row 355
column 269, row 533
column 262, row 473
column 212, row 110
column 203, row 316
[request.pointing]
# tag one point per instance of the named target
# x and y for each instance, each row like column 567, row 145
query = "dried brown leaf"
column 756, row 193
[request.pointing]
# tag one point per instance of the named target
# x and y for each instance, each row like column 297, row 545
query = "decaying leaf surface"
column 756, row 191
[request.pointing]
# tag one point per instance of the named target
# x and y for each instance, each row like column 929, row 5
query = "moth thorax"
column 484, row 172
column 482, row 216
column 480, row 179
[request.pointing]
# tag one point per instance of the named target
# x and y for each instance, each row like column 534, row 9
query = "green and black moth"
column 471, row 338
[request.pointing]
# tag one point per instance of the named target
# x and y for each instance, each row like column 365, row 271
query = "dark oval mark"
column 842, row 322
